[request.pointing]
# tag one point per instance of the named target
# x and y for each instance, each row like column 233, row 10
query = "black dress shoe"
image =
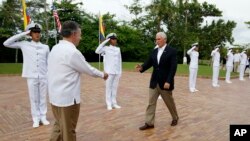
column 174, row 122
column 146, row 126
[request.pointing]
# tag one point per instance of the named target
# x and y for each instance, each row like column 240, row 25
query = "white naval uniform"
column 193, row 68
column 35, row 55
column 243, row 62
column 65, row 65
column 113, row 66
column 229, row 65
column 216, row 67
column 236, row 62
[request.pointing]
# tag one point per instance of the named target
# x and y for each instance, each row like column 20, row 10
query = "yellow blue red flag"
column 26, row 16
column 101, row 29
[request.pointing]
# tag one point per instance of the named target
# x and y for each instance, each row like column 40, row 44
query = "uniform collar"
column 67, row 42
column 35, row 42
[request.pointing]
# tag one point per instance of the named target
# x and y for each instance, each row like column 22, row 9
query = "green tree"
column 248, row 23
column 11, row 23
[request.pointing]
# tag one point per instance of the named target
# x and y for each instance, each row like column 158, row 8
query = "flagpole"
column 55, row 29
column 24, row 24
column 54, row 23
column 99, row 41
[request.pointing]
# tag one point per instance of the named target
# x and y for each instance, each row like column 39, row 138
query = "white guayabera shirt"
column 65, row 65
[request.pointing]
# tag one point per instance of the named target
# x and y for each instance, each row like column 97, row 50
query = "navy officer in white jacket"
column 113, row 66
column 229, row 65
column 215, row 54
column 193, row 66
column 243, row 63
column 65, row 66
column 35, row 55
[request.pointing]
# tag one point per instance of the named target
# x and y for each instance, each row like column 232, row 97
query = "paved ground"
column 204, row 116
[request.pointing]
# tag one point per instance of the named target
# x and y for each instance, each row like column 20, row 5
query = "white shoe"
column 116, row 106
column 242, row 79
column 229, row 82
column 35, row 124
column 216, row 85
column 195, row 90
column 192, row 91
column 45, row 122
column 109, row 108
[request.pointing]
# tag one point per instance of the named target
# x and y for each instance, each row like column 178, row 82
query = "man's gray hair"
column 162, row 34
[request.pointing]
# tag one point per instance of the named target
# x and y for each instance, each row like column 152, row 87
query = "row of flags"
column 27, row 20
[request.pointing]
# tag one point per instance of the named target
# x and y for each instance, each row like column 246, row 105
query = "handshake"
column 138, row 67
column 105, row 77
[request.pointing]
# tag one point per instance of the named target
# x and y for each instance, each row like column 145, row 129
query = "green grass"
column 10, row 68
column 204, row 70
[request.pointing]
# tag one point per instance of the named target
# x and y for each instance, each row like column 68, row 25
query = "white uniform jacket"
column 216, row 57
column 112, row 58
column 65, row 65
column 230, row 59
column 237, row 57
column 243, row 58
column 35, row 55
column 194, row 57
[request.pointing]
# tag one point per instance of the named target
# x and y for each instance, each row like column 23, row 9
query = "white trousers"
column 242, row 70
column 228, row 73
column 216, row 70
column 111, row 89
column 37, row 92
column 192, row 78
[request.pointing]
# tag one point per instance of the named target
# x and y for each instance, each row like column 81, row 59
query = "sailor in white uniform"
column 229, row 65
column 113, row 66
column 35, row 55
column 193, row 66
column 243, row 62
column 216, row 66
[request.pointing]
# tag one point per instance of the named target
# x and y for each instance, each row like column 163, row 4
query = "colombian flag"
column 101, row 30
column 26, row 17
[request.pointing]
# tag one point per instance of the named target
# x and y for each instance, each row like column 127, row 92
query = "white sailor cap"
column 33, row 27
column 195, row 44
column 217, row 46
column 111, row 36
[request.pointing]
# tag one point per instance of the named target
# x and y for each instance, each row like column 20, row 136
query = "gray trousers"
column 168, row 100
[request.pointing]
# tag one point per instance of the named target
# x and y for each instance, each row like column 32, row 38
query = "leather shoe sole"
column 174, row 122
column 146, row 126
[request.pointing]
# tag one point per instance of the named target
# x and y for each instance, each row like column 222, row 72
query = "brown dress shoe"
column 174, row 122
column 146, row 126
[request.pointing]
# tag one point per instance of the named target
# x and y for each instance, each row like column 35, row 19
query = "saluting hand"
column 138, row 67
column 105, row 77
column 166, row 86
